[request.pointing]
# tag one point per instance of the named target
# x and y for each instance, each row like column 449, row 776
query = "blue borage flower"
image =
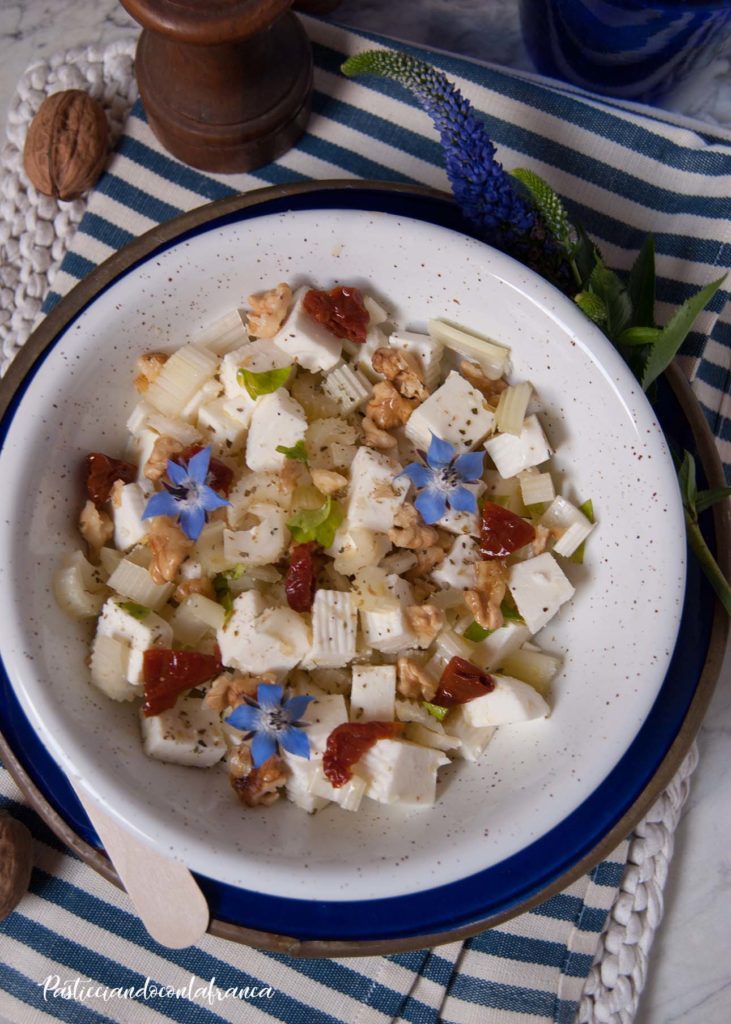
column 269, row 723
column 487, row 195
column 440, row 480
column 187, row 497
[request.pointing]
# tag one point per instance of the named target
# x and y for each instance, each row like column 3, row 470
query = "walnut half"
column 387, row 408
column 96, row 528
column 169, row 546
column 410, row 531
column 149, row 366
column 402, row 370
column 425, row 621
column 485, row 600
column 413, row 682
column 259, row 786
column 268, row 311
column 229, row 689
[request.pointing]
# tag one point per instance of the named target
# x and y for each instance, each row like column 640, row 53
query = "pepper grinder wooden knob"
column 226, row 84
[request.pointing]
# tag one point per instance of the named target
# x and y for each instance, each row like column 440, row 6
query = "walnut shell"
column 66, row 145
column 16, row 863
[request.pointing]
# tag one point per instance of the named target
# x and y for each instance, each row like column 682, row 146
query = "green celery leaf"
column 435, row 710
column 608, row 286
column 706, row 499
column 476, row 633
column 222, row 590
column 548, row 204
column 298, row 452
column 592, row 306
column 318, row 524
column 137, row 611
column 641, row 286
column 263, row 383
column 675, row 332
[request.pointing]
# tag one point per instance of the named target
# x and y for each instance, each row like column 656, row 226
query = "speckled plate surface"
column 545, row 793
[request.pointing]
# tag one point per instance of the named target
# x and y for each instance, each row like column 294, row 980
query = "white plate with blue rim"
column 546, row 796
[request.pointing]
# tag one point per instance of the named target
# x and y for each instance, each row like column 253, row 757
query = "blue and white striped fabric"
column 625, row 173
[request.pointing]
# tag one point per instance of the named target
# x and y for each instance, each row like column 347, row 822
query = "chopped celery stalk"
column 533, row 667
column 234, row 574
column 476, row 633
column 222, row 590
column 435, row 710
column 137, row 611
column 587, row 508
column 298, row 452
column 258, row 384
column 512, row 407
column 492, row 358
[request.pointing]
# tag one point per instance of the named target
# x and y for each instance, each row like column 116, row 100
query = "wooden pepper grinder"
column 226, row 84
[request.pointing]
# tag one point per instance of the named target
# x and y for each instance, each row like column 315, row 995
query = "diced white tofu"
column 375, row 495
column 139, row 634
column 220, row 429
column 263, row 543
column 188, row 734
column 139, row 449
column 513, row 454
column 225, row 334
column 127, row 508
column 354, row 547
column 401, row 772
column 255, row 489
column 210, row 390
column 208, row 548
column 491, row 652
column 299, row 786
column 511, row 701
column 463, row 522
column 427, row 350
column 306, row 341
column 109, row 667
column 323, row 715
column 334, row 629
column 388, row 631
column 257, row 639
column 373, row 693
column 375, row 311
column 277, row 421
column 458, row 568
column 348, row 796
column 255, row 356
column 347, row 386
column 362, row 354
column 183, row 374
column 473, row 740
column 417, row 733
column 455, row 412
column 561, row 515
column 539, row 588
column 535, row 487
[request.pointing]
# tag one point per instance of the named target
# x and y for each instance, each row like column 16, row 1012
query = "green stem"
column 708, row 563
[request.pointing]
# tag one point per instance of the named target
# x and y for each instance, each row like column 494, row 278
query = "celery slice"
column 512, row 407
column 435, row 710
column 588, row 509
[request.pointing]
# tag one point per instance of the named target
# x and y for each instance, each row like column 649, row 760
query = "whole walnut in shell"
column 16, row 863
column 66, row 145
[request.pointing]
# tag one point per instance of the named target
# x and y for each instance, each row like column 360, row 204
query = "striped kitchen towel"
column 74, row 950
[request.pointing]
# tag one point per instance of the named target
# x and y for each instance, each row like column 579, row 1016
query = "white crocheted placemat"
column 35, row 232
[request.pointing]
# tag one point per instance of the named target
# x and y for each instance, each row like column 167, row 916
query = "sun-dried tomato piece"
column 299, row 583
column 348, row 742
column 341, row 311
column 166, row 674
column 461, row 682
column 502, row 532
column 220, row 476
column 102, row 471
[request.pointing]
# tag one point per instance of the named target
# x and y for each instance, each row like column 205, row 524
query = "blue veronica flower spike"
column 440, row 480
column 187, row 497
column 269, row 723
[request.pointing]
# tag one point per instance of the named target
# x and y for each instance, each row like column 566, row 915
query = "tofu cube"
column 573, row 525
column 362, row 354
column 347, row 386
column 427, row 350
column 511, row 701
column 128, row 505
column 539, row 588
column 373, row 693
column 455, row 412
column 334, row 629
column 305, row 341
column 188, row 734
column 258, row 639
column 277, row 421
column 138, row 634
column 388, row 631
column 473, row 739
column 354, row 547
column 463, row 522
column 375, row 495
column 400, row 772
column 255, row 356
column 512, row 454
column 349, row 796
column 220, row 429
column 323, row 714
column 491, row 652
column 458, row 568
column 139, row 450
column 299, row 785
column 263, row 543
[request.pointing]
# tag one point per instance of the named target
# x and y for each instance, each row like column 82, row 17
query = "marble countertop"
column 690, row 968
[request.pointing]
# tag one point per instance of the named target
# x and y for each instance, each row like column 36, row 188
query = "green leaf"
column 476, row 633
column 641, row 286
column 592, row 306
column 137, row 611
column 687, row 482
column 585, row 256
column 675, row 332
column 318, row 524
column 234, row 574
column 222, row 590
column 706, row 499
column 633, row 336
column 435, row 710
column 548, row 204
column 298, row 452
column 608, row 286
column 510, row 613
column 587, row 508
column 258, row 384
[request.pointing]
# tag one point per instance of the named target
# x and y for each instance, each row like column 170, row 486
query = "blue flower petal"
column 210, row 500
column 161, row 504
column 432, row 505
column 462, row 500
column 177, row 473
column 198, row 465
column 263, row 746
column 244, row 717
column 419, row 475
column 296, row 706
column 269, row 694
column 469, row 466
column 192, row 521
column 295, row 741
column 440, row 453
